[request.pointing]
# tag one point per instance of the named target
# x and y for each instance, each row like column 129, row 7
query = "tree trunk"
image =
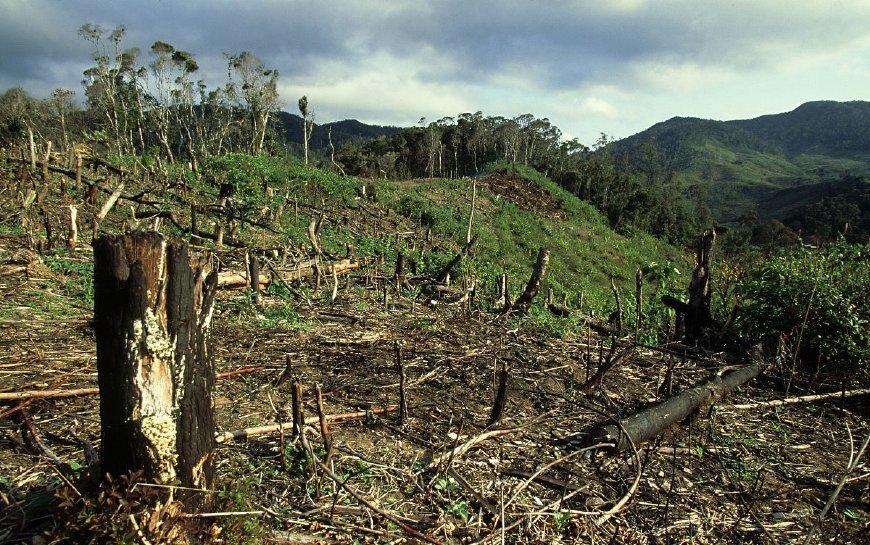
column 699, row 318
column 153, row 305
column 534, row 286
column 658, row 418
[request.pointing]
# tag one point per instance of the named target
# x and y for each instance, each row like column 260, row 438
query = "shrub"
column 817, row 302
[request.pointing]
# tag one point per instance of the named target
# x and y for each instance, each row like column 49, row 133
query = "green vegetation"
column 763, row 163
column 814, row 305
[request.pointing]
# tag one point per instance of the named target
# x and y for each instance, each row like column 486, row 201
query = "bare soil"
column 727, row 476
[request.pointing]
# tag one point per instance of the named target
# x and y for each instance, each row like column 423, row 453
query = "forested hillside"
column 747, row 165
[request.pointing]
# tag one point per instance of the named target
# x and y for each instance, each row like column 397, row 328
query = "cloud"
column 397, row 59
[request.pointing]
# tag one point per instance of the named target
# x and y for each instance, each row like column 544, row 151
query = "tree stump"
column 153, row 304
column 524, row 301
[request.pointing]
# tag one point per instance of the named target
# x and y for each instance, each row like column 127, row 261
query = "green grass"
column 585, row 253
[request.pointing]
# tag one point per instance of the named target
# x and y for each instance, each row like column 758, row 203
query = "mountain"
column 342, row 131
column 755, row 163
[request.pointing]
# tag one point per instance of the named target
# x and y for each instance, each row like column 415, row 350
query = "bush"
column 817, row 302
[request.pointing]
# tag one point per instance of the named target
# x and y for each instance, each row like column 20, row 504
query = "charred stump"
column 153, row 304
column 695, row 316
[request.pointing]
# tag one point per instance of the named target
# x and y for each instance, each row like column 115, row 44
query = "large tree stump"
column 699, row 317
column 153, row 305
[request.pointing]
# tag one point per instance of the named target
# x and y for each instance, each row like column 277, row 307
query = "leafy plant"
column 816, row 301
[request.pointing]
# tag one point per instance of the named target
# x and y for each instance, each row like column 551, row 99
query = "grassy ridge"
column 586, row 253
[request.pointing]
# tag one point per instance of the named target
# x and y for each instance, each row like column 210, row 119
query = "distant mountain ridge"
column 753, row 163
column 342, row 131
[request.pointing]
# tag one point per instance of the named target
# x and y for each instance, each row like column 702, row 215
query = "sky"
column 591, row 67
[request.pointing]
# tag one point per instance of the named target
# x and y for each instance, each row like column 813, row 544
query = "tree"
column 18, row 113
column 60, row 104
column 307, row 124
column 259, row 90
column 112, row 85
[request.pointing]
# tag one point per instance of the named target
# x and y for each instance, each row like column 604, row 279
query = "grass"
column 585, row 252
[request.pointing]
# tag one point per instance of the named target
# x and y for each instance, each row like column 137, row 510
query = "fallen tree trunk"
column 239, row 280
column 658, row 418
column 236, row 280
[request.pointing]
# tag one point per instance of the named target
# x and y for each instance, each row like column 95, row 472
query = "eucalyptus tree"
column 61, row 105
column 257, row 86
column 113, row 86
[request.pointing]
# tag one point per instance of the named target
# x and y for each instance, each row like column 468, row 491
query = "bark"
column 525, row 299
column 658, row 418
column 153, row 304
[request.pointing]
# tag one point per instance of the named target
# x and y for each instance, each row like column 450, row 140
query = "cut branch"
column 246, row 433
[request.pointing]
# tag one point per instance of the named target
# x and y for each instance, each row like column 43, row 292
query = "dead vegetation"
column 441, row 473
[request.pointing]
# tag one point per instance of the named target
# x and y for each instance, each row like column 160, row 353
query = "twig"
column 853, row 463
column 465, row 447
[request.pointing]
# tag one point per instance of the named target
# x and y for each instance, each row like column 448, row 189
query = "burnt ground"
column 731, row 475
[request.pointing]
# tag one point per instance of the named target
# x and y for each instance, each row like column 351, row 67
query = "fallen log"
column 658, row 418
column 246, row 433
column 235, row 280
column 306, row 269
column 239, row 280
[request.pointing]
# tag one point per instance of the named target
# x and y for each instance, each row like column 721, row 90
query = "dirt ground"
column 760, row 474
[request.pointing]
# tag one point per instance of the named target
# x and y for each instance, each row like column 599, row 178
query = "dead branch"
column 595, row 380
column 44, row 394
column 222, row 437
column 468, row 445
column 801, row 399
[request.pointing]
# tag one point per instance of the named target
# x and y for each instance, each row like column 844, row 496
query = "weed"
column 561, row 519
column 458, row 508
column 240, row 495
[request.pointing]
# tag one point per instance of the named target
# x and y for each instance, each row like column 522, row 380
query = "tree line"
column 634, row 189
column 151, row 104
column 156, row 107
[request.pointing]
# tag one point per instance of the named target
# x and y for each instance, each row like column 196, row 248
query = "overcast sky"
column 612, row 66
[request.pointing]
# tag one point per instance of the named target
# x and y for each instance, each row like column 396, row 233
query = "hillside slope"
column 744, row 164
